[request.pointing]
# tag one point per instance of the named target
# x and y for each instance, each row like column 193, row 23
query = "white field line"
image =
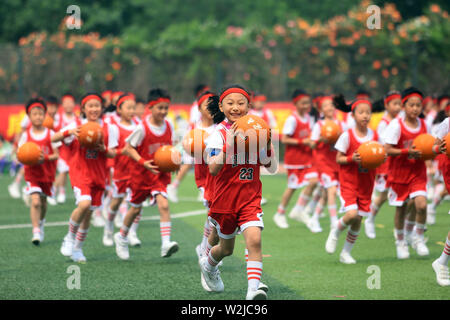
column 65, row 223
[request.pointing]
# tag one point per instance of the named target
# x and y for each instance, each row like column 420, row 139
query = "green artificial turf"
column 296, row 265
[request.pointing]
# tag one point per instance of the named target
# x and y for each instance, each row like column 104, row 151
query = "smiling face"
column 127, row 110
column 303, row 105
column 328, row 108
column 92, row 109
column 68, row 104
column 52, row 109
column 37, row 116
column 160, row 111
column 413, row 107
column 234, row 106
column 394, row 107
column 362, row 114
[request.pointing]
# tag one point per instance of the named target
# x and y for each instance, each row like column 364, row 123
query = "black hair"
column 213, row 103
column 52, row 100
column 441, row 115
column 199, row 89
column 35, row 100
column 340, row 103
column 139, row 100
column 411, row 90
column 298, row 92
column 69, row 94
column 378, row 105
column 155, row 94
column 442, row 97
column 363, row 91
column 205, row 92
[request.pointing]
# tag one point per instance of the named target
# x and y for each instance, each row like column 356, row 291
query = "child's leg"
column 252, row 237
column 376, row 205
column 305, row 195
column 399, row 222
column 445, row 256
column 132, row 213
column 218, row 252
column 421, row 215
column 332, row 208
column 352, row 233
column 164, row 218
column 112, row 211
column 316, row 195
column 83, row 230
column 35, row 211
column 287, row 195
column 410, row 220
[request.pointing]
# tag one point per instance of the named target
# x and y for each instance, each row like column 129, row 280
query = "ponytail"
column 213, row 108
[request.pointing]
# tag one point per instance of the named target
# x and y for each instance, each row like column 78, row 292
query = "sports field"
column 296, row 265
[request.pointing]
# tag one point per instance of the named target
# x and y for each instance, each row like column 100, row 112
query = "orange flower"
column 362, row 50
column 314, row 50
column 415, row 38
column 376, row 64
column 302, row 24
column 435, row 8
column 394, row 71
column 373, row 83
column 275, row 70
column 43, row 61
column 116, row 65
column 330, row 52
column 292, row 73
column 116, row 50
column 109, row 76
column 87, row 60
column 326, row 70
column 70, row 45
column 356, row 35
column 391, row 26
column 396, row 41
column 2, row 73
column 385, row 73
column 22, row 41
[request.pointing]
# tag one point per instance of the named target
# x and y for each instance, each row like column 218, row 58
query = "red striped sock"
column 318, row 209
column 281, row 209
column 420, row 228
column 444, row 258
column 350, row 240
column 36, row 230
column 254, row 272
column 341, row 225
column 165, row 228
column 399, row 234
column 135, row 224
column 208, row 248
column 73, row 228
column 124, row 231
column 212, row 263
column 246, row 255
column 111, row 214
column 81, row 236
column 332, row 210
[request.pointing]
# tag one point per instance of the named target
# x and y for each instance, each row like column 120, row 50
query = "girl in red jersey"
column 87, row 174
column 39, row 178
column 236, row 199
column 325, row 157
column 393, row 104
column 407, row 175
column 146, row 180
column 297, row 160
column 356, row 183
column 65, row 117
column 121, row 171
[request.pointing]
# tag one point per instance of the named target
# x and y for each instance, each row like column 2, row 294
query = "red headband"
column 203, row 90
column 203, row 98
column 116, row 94
column 322, row 99
column 392, row 97
column 426, row 100
column 106, row 93
column 414, row 94
column 362, row 96
column 447, row 108
column 301, row 95
column 159, row 100
column 123, row 99
column 357, row 102
column 234, row 90
column 260, row 98
column 36, row 105
column 89, row 97
column 67, row 96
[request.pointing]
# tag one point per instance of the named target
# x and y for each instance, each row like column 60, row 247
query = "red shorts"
column 399, row 193
column 120, row 188
column 298, row 178
column 140, row 195
column 329, row 178
column 352, row 201
column 381, row 184
column 93, row 193
column 229, row 224
column 44, row 188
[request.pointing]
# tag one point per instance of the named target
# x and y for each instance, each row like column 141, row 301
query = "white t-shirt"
column 113, row 134
column 315, row 134
column 25, row 122
column 291, row 123
column 38, row 137
column 442, row 129
column 393, row 131
column 137, row 136
column 194, row 114
column 343, row 142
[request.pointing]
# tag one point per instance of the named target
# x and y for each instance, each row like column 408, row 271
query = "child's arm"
column 61, row 135
column 216, row 162
column 294, row 141
column 343, row 159
column 412, row 152
column 131, row 152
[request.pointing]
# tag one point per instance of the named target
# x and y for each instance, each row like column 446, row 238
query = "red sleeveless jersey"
column 325, row 153
column 64, row 151
column 88, row 167
column 142, row 178
column 236, row 186
column 122, row 163
column 299, row 156
column 401, row 168
column 46, row 171
column 384, row 168
column 352, row 176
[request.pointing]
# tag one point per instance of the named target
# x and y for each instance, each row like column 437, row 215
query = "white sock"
column 165, row 228
column 135, row 224
column 81, row 236
column 350, row 240
column 443, row 259
column 254, row 272
column 206, row 232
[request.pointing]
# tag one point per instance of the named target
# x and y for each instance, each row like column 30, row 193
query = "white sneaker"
column 108, row 240
column 51, row 201
column 314, row 225
column 41, row 233
column 300, row 216
column 431, row 218
column 172, row 193
column 369, row 228
column 168, row 249
column 121, row 246
column 118, row 220
column 133, row 239
column 280, row 220
column 98, row 221
column 78, row 256
column 263, row 201
column 26, row 197
column 420, row 247
column 14, row 191
column 36, row 238
column 402, row 249
column 262, row 286
column 61, row 198
column 330, row 245
column 203, row 282
column 442, row 273
column 67, row 246
column 409, row 238
column 256, row 295
column 430, row 193
column 346, row 258
column 198, row 251
column 212, row 278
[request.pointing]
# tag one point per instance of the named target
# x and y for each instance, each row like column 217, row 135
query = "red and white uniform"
column 444, row 163
column 25, row 123
column 147, row 138
column 194, row 114
column 325, row 157
column 40, row 177
column 407, row 178
column 382, row 171
column 356, row 183
column 266, row 115
column 235, row 203
column 65, row 156
column 122, row 163
column 88, row 169
column 298, row 158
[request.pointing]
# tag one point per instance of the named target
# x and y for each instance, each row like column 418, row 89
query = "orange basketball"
column 447, row 143
column 372, row 154
column 167, row 158
column 29, row 153
column 195, row 141
column 424, row 142
column 90, row 134
column 48, row 122
column 330, row 130
column 253, row 129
